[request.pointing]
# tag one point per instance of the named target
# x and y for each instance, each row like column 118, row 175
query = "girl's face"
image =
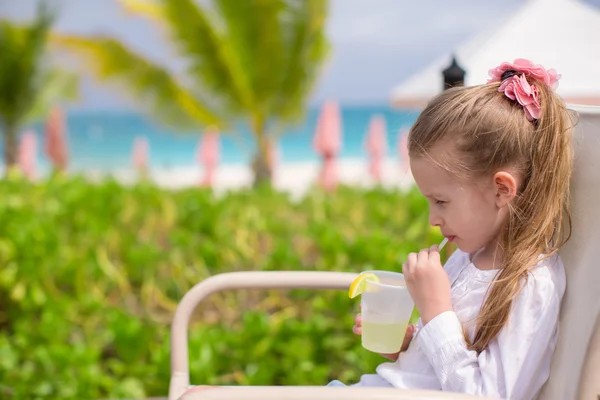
column 469, row 213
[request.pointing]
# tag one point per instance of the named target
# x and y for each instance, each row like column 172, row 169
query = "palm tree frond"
column 152, row 10
column 212, row 60
column 22, row 50
column 152, row 84
column 254, row 30
column 307, row 48
column 56, row 84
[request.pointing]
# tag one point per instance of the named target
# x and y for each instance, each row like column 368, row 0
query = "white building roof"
column 559, row 34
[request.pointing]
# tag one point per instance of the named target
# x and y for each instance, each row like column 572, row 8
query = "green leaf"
column 254, row 30
column 307, row 50
column 58, row 84
column 212, row 60
column 152, row 84
column 22, row 65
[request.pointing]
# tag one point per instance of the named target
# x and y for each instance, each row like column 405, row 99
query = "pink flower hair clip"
column 515, row 86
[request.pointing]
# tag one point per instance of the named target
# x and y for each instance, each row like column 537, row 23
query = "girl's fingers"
column 434, row 253
column 410, row 331
column 423, row 255
column 407, row 271
column 358, row 327
column 412, row 259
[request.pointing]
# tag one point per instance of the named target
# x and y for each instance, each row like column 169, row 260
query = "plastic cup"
column 386, row 308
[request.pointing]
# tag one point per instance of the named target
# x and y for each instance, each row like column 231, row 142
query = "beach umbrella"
column 208, row 154
column 141, row 155
column 328, row 142
column 28, row 154
column 376, row 145
column 403, row 151
column 56, row 142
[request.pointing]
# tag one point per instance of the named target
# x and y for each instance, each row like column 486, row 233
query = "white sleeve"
column 517, row 362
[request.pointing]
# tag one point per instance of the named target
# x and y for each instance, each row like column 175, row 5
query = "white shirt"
column 516, row 363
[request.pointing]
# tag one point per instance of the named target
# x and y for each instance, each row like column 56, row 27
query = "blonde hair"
column 486, row 131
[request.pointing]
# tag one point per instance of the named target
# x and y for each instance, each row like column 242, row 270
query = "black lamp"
column 454, row 75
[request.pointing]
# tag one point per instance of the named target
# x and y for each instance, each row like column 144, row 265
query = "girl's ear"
column 505, row 185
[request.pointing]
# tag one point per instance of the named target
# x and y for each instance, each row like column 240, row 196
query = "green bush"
column 91, row 275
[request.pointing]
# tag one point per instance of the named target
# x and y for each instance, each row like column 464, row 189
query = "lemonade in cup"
column 386, row 309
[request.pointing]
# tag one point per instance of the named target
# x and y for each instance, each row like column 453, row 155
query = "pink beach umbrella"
column 208, row 154
column 56, row 142
column 28, row 154
column 403, row 151
column 328, row 142
column 376, row 145
column 141, row 154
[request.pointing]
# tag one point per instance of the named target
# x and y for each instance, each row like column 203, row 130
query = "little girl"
column 494, row 162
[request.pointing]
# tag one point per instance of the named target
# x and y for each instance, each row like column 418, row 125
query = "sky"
column 376, row 44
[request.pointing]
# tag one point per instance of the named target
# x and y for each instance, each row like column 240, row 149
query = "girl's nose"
column 434, row 219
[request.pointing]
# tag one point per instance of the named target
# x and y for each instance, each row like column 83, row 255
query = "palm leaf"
column 165, row 97
column 254, row 31
column 55, row 84
column 150, row 9
column 22, row 51
column 213, row 62
column 307, row 48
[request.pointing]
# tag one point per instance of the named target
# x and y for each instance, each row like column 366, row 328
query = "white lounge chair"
column 575, row 370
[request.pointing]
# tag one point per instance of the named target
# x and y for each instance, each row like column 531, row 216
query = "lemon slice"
column 359, row 284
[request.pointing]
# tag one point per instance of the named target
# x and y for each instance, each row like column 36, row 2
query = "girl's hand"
column 410, row 331
column 428, row 283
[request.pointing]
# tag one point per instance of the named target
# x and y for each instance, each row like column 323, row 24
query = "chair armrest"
column 321, row 393
column 180, row 375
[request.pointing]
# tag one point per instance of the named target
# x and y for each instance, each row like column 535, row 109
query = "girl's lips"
column 451, row 238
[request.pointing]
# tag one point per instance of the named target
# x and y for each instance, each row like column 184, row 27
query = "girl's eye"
column 440, row 202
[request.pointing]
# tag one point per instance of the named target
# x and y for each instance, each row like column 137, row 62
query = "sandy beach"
column 294, row 178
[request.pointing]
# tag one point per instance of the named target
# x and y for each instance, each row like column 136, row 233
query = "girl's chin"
column 464, row 247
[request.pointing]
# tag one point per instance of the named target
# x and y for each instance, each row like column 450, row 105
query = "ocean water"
column 104, row 140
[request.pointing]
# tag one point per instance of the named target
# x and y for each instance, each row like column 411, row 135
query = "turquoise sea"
column 103, row 140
